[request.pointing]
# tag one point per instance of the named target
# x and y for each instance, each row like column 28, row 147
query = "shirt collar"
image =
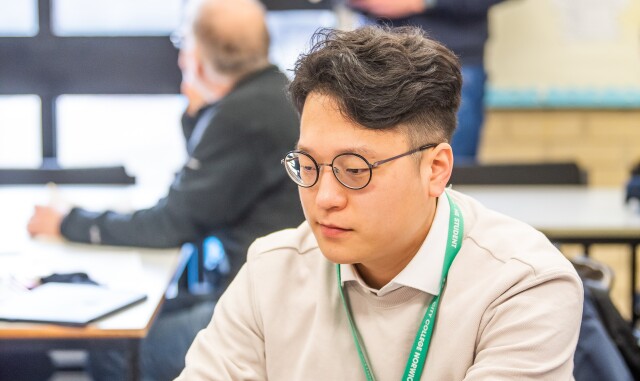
column 425, row 269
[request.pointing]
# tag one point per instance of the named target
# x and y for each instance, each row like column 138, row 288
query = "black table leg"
column 634, row 269
column 134, row 359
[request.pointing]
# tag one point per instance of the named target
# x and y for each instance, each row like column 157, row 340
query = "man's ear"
column 438, row 164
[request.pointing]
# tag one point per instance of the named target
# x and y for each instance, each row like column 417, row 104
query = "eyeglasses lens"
column 301, row 168
column 352, row 170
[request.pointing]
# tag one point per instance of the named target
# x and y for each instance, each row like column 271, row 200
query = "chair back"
column 592, row 272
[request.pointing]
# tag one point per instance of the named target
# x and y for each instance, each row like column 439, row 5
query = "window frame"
column 49, row 66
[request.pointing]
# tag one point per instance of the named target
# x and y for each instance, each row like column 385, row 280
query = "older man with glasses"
column 237, row 124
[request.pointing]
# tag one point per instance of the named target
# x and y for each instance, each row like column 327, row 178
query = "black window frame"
column 50, row 66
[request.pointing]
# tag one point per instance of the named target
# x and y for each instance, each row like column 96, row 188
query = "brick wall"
column 606, row 143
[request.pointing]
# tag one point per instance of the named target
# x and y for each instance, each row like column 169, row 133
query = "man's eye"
column 308, row 168
column 356, row 171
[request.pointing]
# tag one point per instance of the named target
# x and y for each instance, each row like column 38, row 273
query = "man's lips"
column 330, row 230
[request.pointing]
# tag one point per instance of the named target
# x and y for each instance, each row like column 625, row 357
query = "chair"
column 561, row 173
column 593, row 273
column 598, row 357
column 606, row 349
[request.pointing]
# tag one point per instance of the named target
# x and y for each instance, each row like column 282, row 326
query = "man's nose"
column 331, row 193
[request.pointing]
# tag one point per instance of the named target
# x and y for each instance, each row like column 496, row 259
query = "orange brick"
column 529, row 125
column 621, row 123
column 597, row 151
column 564, row 151
column 564, row 124
column 512, row 153
column 632, row 152
column 612, row 177
column 494, row 127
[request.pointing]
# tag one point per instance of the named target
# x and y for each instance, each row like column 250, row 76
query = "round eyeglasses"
column 350, row 169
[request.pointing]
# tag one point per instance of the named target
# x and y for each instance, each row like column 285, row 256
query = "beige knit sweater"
column 511, row 310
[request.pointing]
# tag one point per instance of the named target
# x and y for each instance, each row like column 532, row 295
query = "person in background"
column 237, row 123
column 461, row 26
column 392, row 276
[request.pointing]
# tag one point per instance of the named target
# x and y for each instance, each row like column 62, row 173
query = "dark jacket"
column 597, row 358
column 618, row 329
column 232, row 185
column 461, row 25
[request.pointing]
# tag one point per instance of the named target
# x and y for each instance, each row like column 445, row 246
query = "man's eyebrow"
column 360, row 150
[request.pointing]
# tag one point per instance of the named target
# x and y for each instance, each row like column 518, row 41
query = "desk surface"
column 142, row 269
column 563, row 211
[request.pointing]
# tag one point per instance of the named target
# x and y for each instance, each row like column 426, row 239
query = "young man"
column 391, row 276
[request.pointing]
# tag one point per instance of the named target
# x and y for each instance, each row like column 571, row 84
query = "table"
column 570, row 214
column 149, row 270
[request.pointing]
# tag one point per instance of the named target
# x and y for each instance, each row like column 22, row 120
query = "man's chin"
column 342, row 256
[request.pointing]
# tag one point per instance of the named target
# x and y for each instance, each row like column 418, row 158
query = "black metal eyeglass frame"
column 371, row 166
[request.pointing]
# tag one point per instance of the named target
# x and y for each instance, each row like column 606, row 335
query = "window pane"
column 20, row 136
column 291, row 32
column 18, row 18
column 143, row 133
column 115, row 17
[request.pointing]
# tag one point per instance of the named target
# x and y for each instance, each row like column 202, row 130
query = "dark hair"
column 384, row 78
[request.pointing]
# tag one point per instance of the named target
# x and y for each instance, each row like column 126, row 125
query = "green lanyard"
column 415, row 363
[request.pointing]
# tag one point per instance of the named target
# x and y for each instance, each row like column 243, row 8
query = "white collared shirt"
column 424, row 271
